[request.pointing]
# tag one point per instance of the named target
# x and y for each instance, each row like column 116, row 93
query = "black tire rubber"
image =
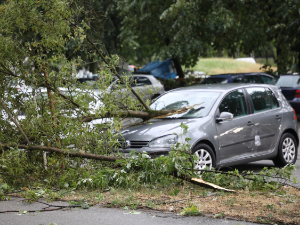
column 280, row 160
column 208, row 149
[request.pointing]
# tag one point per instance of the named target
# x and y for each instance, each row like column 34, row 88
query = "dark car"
column 290, row 88
column 228, row 124
column 258, row 78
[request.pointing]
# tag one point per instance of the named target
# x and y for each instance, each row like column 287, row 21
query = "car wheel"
column 205, row 157
column 287, row 150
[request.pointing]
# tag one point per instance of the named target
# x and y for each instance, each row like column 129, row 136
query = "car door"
column 267, row 118
column 236, row 137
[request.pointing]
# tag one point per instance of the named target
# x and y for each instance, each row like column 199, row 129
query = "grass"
column 225, row 65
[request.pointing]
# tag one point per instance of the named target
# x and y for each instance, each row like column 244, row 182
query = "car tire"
column 205, row 157
column 287, row 150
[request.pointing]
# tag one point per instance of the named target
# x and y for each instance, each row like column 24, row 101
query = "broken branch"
column 145, row 115
column 64, row 152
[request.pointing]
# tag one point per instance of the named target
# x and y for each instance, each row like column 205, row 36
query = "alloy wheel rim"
column 288, row 150
column 204, row 159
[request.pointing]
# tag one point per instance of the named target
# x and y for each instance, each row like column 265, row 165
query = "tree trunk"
column 280, row 62
column 298, row 59
column 178, row 67
column 64, row 152
column 232, row 53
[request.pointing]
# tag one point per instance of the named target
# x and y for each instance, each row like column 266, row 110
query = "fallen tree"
column 53, row 121
column 177, row 174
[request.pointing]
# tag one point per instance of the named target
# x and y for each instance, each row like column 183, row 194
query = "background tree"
column 182, row 29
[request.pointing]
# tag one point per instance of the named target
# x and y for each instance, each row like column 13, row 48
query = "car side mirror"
column 225, row 116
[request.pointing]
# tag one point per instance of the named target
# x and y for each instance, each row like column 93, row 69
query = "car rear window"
column 214, row 80
column 198, row 103
column 268, row 80
column 288, row 81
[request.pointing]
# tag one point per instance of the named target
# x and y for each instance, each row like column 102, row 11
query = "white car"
column 146, row 85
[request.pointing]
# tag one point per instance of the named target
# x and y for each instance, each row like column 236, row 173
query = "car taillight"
column 297, row 94
column 295, row 114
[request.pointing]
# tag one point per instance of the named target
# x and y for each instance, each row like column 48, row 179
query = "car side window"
column 252, row 79
column 260, row 99
column 273, row 98
column 142, row 81
column 267, row 80
column 238, row 80
column 234, row 103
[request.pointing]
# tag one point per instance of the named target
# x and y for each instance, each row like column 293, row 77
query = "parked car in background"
column 258, row 78
column 146, row 85
column 228, row 124
column 290, row 88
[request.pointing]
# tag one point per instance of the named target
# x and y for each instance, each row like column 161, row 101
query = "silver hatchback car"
column 228, row 124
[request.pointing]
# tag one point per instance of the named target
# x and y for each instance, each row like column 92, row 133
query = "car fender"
column 206, row 132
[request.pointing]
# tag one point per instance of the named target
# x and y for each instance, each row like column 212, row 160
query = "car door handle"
column 250, row 124
column 277, row 117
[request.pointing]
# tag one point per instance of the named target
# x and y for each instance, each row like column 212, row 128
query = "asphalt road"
column 96, row 215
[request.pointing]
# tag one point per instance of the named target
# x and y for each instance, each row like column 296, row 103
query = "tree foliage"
column 47, row 119
column 183, row 29
column 35, row 36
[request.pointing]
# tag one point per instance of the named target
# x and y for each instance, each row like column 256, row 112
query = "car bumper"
column 296, row 105
column 153, row 153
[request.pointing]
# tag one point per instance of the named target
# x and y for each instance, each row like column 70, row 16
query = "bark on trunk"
column 51, row 103
column 178, row 67
column 280, row 63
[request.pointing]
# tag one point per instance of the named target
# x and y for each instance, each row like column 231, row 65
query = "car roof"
column 220, row 87
column 226, row 75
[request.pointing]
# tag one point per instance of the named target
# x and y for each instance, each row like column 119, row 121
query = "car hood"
column 156, row 128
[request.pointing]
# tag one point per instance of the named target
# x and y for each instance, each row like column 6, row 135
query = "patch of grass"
column 191, row 210
column 226, row 65
column 219, row 215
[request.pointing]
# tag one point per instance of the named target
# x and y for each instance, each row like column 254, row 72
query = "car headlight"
column 164, row 142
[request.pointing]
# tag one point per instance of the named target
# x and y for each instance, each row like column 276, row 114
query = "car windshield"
column 197, row 103
column 214, row 80
column 288, row 81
